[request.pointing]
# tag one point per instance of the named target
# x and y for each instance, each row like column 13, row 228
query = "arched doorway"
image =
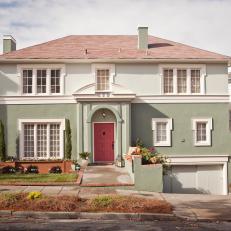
column 104, row 135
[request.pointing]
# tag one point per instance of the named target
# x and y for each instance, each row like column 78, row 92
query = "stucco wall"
column 142, row 79
column 11, row 113
column 182, row 134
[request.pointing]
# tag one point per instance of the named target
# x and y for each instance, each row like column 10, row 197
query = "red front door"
column 104, row 142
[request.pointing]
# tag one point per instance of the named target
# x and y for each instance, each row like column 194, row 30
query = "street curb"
column 90, row 215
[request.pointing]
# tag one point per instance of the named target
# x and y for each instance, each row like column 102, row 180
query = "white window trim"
column 168, row 132
column 37, row 121
column 188, row 67
column 209, row 127
column 48, row 68
column 111, row 68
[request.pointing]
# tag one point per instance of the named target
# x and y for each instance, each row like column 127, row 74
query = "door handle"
column 112, row 145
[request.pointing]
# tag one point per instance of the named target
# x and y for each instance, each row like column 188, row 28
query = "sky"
column 201, row 23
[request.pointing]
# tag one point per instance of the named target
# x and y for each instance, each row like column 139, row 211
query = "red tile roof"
column 110, row 47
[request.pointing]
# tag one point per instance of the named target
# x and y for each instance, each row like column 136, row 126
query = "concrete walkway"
column 105, row 175
column 187, row 206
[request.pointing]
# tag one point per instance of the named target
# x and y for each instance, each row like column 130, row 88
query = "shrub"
column 32, row 169
column 34, row 195
column 8, row 170
column 84, row 155
column 101, row 201
column 68, row 144
column 2, row 143
column 55, row 169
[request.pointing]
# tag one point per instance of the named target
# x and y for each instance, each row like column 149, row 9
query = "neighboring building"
column 114, row 89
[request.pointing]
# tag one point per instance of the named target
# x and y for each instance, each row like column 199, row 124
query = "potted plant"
column 84, row 158
column 75, row 165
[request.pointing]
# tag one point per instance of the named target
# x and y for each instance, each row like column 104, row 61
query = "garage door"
column 194, row 179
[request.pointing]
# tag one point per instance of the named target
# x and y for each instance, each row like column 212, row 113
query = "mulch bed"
column 104, row 203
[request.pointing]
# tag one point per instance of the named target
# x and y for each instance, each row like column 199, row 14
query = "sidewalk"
column 186, row 206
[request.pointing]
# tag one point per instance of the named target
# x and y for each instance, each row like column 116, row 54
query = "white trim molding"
column 209, row 127
column 187, row 67
column 21, row 123
column 48, row 68
column 168, row 122
column 110, row 67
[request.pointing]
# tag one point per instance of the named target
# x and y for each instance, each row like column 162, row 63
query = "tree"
column 2, row 143
column 68, row 143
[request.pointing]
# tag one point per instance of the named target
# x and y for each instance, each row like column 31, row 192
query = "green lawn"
column 31, row 178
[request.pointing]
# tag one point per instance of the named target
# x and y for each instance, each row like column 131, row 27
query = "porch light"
column 103, row 114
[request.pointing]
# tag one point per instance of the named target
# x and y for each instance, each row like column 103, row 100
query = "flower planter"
column 43, row 166
column 84, row 163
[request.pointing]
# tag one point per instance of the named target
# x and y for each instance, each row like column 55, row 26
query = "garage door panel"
column 194, row 179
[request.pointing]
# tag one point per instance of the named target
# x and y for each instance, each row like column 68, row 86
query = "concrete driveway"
column 200, row 207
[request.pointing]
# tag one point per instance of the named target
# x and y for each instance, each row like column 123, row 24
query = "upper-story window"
column 183, row 79
column 55, row 81
column 42, row 80
column 27, row 76
column 104, row 77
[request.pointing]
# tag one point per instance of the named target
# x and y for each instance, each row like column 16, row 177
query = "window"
column 202, row 131
column 41, row 139
column 102, row 76
column 55, row 81
column 195, row 81
column 27, row 81
column 181, row 81
column 168, row 81
column 41, row 81
column 162, row 131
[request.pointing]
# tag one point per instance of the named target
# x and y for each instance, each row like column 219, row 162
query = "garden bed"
column 33, row 179
column 105, row 203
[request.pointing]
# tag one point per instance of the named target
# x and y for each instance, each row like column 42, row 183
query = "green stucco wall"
column 11, row 113
column 182, row 134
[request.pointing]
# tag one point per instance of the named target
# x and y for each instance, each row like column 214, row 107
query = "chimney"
column 142, row 37
column 9, row 43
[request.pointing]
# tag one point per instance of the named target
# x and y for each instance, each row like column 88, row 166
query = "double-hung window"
column 55, row 81
column 161, row 128
column 27, row 79
column 41, row 139
column 202, row 131
column 103, row 79
column 41, row 76
column 183, row 79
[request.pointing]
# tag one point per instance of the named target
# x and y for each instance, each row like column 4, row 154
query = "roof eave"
column 110, row 60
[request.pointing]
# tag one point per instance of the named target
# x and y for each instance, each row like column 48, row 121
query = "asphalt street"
column 86, row 225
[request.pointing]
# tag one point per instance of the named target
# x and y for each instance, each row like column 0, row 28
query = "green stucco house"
column 114, row 89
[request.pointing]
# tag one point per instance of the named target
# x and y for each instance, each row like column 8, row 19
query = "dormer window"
column 103, row 79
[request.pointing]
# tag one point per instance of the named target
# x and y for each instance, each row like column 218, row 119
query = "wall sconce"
column 103, row 114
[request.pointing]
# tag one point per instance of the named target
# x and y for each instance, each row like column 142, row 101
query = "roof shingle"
column 110, row 47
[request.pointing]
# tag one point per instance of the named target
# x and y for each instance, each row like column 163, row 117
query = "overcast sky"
column 201, row 23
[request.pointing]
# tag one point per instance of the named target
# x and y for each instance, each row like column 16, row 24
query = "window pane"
column 55, row 140
column 27, row 81
column 161, row 131
column 55, row 81
column 102, row 78
column 41, row 81
column 42, row 140
column 181, row 81
column 201, row 131
column 195, row 81
column 168, row 81
column 28, row 140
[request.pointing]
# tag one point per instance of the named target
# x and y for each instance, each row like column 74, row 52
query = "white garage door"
column 194, row 179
